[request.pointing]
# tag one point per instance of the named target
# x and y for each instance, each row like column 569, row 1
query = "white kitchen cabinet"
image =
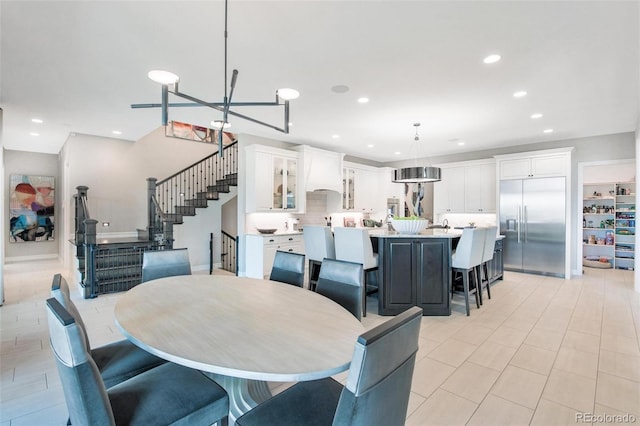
column 534, row 166
column 363, row 189
column 348, row 188
column 466, row 187
column 449, row 193
column 261, row 251
column 272, row 180
column 480, row 188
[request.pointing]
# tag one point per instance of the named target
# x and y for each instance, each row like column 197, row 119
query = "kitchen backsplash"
column 464, row 219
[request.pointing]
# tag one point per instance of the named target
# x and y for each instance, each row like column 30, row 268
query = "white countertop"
column 425, row 233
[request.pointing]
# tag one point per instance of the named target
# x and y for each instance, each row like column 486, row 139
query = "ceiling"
column 79, row 65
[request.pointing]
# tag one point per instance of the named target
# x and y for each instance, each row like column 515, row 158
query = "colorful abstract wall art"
column 31, row 208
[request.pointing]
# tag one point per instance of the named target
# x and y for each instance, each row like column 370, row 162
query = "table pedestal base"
column 244, row 394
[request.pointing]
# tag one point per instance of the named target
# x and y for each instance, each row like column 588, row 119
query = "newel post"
column 90, row 258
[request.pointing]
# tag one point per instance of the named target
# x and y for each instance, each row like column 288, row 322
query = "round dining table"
column 242, row 332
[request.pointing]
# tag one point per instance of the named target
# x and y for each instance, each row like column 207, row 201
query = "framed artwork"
column 31, row 208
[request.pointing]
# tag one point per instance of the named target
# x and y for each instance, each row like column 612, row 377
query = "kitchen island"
column 415, row 270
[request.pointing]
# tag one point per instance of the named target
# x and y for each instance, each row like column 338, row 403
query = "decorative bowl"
column 266, row 231
column 409, row 226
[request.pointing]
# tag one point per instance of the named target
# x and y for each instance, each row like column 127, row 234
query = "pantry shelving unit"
column 625, row 225
column 598, row 218
column 608, row 232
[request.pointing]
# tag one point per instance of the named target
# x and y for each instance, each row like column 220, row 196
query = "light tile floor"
column 540, row 352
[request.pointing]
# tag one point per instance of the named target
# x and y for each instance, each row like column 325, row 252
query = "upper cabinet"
column 468, row 187
column 534, row 164
column 365, row 188
column 274, row 184
column 480, row 188
column 449, row 193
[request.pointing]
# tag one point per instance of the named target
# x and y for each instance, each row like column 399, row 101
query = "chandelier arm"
column 205, row 104
column 253, row 120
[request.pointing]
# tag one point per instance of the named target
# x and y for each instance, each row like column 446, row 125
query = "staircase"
column 184, row 192
column 112, row 266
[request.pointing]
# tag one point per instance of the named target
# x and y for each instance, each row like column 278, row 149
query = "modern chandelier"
column 417, row 174
column 169, row 82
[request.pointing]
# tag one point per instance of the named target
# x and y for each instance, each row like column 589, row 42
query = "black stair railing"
column 229, row 253
column 181, row 193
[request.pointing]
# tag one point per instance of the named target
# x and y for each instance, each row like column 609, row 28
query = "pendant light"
column 416, row 173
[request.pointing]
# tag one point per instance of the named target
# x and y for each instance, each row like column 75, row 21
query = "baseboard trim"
column 15, row 259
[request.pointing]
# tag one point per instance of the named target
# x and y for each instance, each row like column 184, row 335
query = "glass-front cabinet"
column 348, row 188
column 284, row 183
column 272, row 180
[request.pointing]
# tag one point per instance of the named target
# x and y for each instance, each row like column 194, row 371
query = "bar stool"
column 318, row 245
column 466, row 258
column 354, row 245
column 487, row 255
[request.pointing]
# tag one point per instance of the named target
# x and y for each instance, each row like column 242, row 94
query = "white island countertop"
column 425, row 233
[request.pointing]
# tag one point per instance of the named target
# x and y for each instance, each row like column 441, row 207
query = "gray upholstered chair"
column 165, row 263
column 167, row 394
column 288, row 267
column 377, row 388
column 487, row 255
column 318, row 245
column 342, row 282
column 466, row 258
column 354, row 245
column 117, row 361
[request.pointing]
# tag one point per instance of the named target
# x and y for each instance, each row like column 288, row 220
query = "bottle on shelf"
column 584, row 222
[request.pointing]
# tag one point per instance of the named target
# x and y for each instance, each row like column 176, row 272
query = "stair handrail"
column 195, row 164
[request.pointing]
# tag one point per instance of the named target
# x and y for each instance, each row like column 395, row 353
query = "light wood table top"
column 240, row 327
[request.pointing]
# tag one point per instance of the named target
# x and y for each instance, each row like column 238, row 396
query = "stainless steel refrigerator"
column 532, row 217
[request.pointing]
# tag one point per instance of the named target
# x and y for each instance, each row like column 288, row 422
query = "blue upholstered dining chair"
column 165, row 263
column 288, row 267
column 342, row 282
column 116, row 361
column 377, row 388
column 167, row 394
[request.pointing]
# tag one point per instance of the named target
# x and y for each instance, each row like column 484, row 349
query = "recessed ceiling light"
column 519, row 94
column 460, row 143
column 340, row 88
column 536, row 115
column 397, row 153
column 491, row 59
column 370, row 145
column 335, row 136
column 36, row 120
column 290, row 124
column 34, row 134
column 116, row 132
column 363, row 100
column 547, row 131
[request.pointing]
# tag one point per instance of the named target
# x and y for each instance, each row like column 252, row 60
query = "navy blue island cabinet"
column 415, row 270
